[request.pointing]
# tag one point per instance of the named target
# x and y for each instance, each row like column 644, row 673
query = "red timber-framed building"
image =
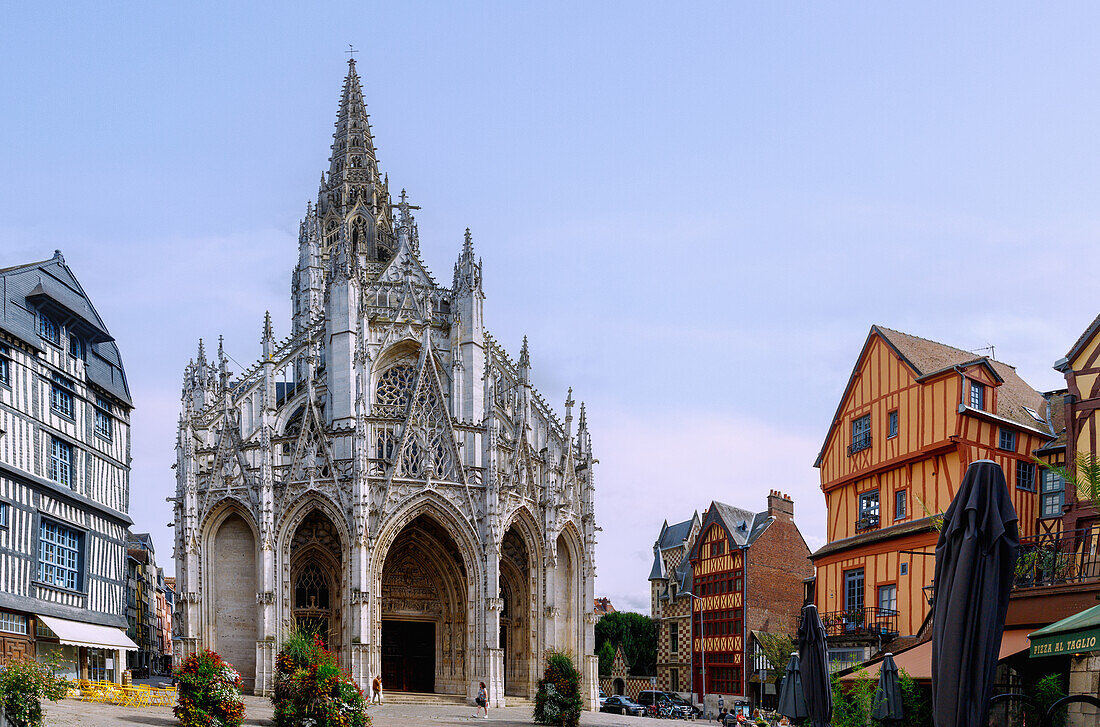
column 747, row 574
column 914, row 414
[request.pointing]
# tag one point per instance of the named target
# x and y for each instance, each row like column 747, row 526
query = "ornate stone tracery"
column 385, row 469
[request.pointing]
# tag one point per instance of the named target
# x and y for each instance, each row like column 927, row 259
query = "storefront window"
column 101, row 664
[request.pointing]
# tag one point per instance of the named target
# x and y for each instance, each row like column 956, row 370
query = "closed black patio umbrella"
column 887, row 698
column 975, row 560
column 792, row 701
column 813, row 666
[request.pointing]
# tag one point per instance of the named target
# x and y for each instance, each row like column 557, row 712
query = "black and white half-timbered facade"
column 64, row 474
column 386, row 475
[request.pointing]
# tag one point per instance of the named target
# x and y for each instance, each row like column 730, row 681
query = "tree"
column 778, row 649
column 636, row 634
column 607, row 657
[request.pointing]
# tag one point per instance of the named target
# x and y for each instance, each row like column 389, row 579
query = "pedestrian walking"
column 482, row 701
column 376, row 690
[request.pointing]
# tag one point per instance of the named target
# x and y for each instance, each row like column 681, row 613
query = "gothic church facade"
column 386, row 475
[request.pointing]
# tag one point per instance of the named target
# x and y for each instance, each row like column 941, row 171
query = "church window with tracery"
column 394, row 390
column 311, row 589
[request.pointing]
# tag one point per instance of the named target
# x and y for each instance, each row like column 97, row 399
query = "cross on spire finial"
column 351, row 53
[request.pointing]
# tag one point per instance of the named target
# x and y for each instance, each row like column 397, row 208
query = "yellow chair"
column 144, row 696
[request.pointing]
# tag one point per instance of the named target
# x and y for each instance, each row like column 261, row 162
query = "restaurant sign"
column 1071, row 642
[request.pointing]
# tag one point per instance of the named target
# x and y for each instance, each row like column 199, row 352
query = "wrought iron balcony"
column 867, row 521
column 859, row 443
column 1052, row 559
column 867, row 621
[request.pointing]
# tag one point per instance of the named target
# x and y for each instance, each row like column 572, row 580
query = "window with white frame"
column 868, row 508
column 977, row 395
column 103, row 417
column 59, row 555
column 13, row 623
column 893, row 425
column 1053, row 495
column 61, row 462
column 48, row 329
column 888, row 597
column 76, row 346
column 61, row 396
column 1007, row 440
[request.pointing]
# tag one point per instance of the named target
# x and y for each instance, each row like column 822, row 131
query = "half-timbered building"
column 64, row 474
column 914, row 414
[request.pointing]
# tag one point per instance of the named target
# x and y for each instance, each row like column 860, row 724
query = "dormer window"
column 977, row 395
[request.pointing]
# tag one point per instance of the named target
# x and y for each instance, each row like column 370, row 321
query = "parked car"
column 603, row 696
column 618, row 704
column 660, row 704
column 689, row 710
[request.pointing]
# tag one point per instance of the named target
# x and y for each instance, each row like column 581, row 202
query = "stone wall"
column 1084, row 678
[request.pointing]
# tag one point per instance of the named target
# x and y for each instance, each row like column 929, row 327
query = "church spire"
column 354, row 191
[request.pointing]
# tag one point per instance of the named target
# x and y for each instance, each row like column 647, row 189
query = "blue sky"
column 695, row 211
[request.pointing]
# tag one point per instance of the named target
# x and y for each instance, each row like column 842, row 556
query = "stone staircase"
column 422, row 698
column 442, row 699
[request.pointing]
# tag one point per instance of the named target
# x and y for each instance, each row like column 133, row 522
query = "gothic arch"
column 426, row 568
column 527, row 525
column 568, row 588
column 228, row 568
column 295, row 513
column 443, row 511
column 220, row 510
column 520, row 588
column 296, row 510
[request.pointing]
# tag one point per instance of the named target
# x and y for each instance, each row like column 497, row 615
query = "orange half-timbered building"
column 914, row 415
column 747, row 571
column 1081, row 367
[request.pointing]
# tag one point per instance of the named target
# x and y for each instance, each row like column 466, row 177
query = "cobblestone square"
column 73, row 713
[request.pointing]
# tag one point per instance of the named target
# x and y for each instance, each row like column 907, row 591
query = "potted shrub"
column 311, row 689
column 208, row 692
column 558, row 699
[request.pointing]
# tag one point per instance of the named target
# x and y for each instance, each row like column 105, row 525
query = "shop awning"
column 917, row 661
column 1072, row 635
column 78, row 633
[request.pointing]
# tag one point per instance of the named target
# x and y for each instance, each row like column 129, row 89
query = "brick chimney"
column 780, row 506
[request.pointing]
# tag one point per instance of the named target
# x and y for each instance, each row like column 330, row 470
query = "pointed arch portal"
column 315, row 579
column 425, row 611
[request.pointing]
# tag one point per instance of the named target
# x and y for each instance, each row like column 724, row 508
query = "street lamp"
column 702, row 649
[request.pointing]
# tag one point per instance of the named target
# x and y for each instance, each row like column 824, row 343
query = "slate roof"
column 1087, row 335
column 672, row 536
column 744, row 526
column 51, row 284
column 930, row 357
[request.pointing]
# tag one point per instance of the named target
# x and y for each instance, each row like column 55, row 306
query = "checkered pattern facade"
column 671, row 609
